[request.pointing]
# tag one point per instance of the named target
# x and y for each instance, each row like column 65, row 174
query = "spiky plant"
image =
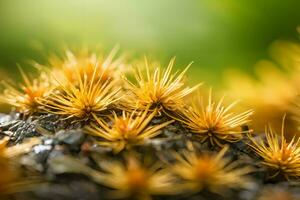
column 213, row 172
column 134, row 180
column 215, row 122
column 85, row 62
column 90, row 97
column 158, row 88
column 126, row 130
column 278, row 155
column 25, row 97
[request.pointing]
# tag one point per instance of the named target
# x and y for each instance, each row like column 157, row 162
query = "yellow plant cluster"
column 118, row 111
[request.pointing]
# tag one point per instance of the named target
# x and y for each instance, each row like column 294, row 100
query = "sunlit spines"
column 159, row 88
column 206, row 171
column 126, row 130
column 25, row 98
column 90, row 97
column 278, row 155
column 214, row 122
column 85, row 63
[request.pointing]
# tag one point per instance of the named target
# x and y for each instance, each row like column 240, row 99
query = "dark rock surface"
column 65, row 179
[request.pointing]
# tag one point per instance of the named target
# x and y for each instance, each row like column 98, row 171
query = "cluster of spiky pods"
column 116, row 104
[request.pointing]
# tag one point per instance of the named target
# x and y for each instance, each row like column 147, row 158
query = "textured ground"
column 65, row 156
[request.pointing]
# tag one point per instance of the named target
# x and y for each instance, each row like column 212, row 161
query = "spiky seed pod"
column 134, row 180
column 90, row 97
column 25, row 98
column 126, row 130
column 280, row 156
column 213, row 172
column 107, row 67
column 215, row 122
column 160, row 89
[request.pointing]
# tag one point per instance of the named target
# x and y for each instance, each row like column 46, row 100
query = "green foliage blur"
column 215, row 34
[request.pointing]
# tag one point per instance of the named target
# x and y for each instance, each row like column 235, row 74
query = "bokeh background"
column 215, row 34
column 246, row 49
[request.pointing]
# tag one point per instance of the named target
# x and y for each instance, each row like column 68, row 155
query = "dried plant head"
column 25, row 97
column 278, row 155
column 214, row 122
column 90, row 97
column 133, row 179
column 213, row 172
column 159, row 88
column 126, row 130
column 10, row 181
column 85, row 63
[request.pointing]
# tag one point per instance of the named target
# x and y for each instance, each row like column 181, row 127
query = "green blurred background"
column 215, row 34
